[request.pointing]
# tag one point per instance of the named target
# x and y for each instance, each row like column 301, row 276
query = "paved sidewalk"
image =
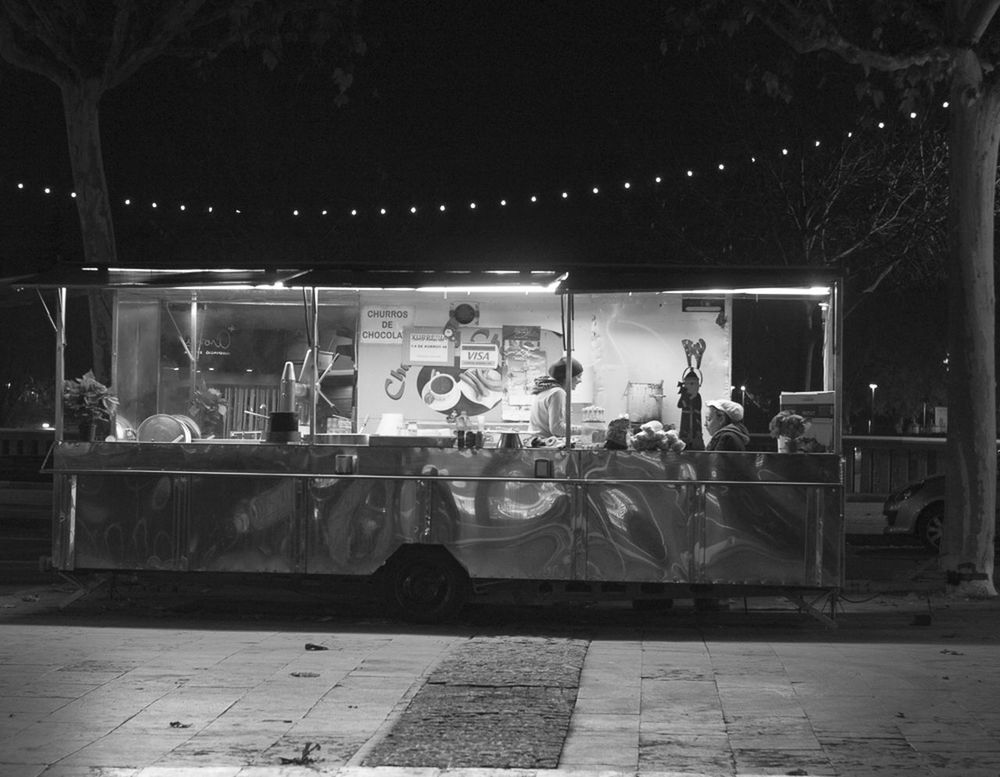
column 904, row 686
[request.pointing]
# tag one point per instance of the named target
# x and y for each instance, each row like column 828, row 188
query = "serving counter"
column 593, row 516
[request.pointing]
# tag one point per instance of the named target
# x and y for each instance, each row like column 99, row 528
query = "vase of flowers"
column 91, row 404
column 789, row 429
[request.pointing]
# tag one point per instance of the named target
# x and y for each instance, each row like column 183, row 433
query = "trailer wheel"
column 424, row 585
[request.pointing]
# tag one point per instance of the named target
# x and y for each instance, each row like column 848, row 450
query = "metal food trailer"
column 376, row 424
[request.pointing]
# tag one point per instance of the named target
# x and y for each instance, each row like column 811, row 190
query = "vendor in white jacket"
column 548, row 407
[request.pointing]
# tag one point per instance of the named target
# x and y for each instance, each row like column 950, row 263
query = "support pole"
column 60, row 324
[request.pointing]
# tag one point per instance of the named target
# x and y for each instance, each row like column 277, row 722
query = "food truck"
column 374, row 423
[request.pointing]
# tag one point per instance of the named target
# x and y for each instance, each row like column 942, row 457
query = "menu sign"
column 425, row 345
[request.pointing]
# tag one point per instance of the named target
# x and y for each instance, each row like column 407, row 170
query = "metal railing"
column 874, row 466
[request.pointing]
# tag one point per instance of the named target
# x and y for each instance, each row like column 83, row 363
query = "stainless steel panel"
column 754, row 519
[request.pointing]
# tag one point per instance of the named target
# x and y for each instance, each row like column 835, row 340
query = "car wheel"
column 425, row 585
column 930, row 526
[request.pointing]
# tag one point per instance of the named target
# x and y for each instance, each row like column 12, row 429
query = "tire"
column 930, row 526
column 424, row 585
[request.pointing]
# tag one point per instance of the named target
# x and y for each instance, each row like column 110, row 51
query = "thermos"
column 286, row 394
column 284, row 426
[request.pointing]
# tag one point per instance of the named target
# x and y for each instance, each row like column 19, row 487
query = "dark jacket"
column 731, row 437
column 690, row 430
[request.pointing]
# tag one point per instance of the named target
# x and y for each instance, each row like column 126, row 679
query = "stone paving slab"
column 498, row 702
column 727, row 693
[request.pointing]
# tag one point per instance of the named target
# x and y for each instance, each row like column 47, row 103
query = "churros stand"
column 376, row 424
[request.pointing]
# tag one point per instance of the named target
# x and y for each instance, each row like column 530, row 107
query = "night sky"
column 454, row 102
column 451, row 97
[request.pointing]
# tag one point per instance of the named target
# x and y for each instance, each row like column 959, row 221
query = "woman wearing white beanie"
column 724, row 421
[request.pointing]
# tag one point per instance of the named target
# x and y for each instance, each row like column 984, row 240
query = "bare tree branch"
column 119, row 34
column 803, row 37
column 17, row 56
column 166, row 29
column 972, row 24
column 45, row 30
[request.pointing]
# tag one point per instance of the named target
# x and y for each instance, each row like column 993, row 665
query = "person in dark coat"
column 690, row 406
column 724, row 421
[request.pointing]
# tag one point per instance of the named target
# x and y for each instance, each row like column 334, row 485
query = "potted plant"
column 788, row 428
column 92, row 404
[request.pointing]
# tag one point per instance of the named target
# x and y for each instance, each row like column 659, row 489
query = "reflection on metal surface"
column 519, row 500
column 760, row 519
column 617, row 507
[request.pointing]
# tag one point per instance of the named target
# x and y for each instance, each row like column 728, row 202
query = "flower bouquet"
column 92, row 404
column 790, row 430
column 787, row 424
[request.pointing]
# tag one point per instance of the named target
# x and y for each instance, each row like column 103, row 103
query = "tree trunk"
column 967, row 550
column 80, row 105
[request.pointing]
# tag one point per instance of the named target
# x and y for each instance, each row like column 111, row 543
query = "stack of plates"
column 168, row 428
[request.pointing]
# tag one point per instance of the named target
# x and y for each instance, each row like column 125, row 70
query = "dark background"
column 454, row 103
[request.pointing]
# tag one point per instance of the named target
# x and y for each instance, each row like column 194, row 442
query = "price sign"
column 427, row 346
column 472, row 355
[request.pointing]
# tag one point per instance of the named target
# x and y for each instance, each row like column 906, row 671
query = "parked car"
column 918, row 511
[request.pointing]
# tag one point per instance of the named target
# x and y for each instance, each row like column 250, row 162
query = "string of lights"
column 413, row 209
